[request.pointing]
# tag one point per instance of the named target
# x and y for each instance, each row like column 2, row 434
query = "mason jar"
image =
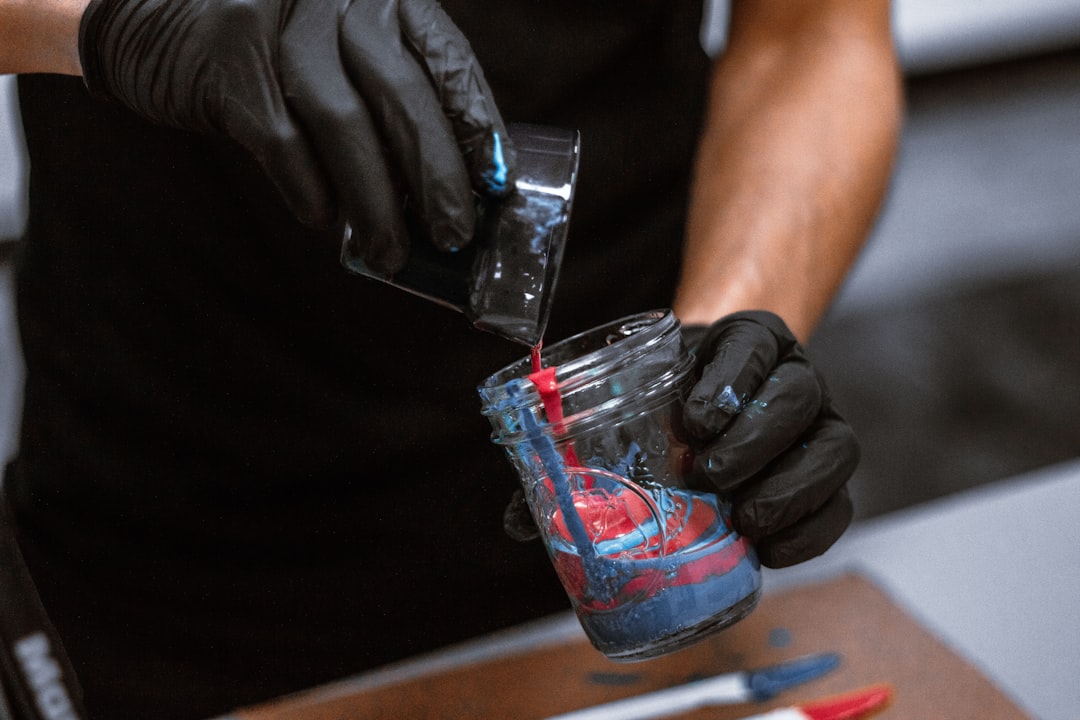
column 648, row 558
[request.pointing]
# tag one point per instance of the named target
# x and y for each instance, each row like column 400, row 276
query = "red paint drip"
column 548, row 386
column 852, row 705
column 537, row 365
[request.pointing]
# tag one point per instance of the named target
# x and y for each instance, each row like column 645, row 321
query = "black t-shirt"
column 243, row 470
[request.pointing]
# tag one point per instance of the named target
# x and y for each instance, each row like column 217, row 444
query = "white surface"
column 12, row 164
column 939, row 34
column 995, row 572
column 935, row 34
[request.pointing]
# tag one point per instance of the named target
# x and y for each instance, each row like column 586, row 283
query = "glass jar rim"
column 608, row 355
column 630, row 335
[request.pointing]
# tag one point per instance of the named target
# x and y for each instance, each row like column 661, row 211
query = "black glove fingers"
column 378, row 236
column 799, row 482
column 738, row 360
column 785, row 339
column 97, row 37
column 408, row 112
column 223, row 66
column 265, row 125
column 282, row 148
column 786, row 405
column 340, row 126
column 466, row 97
column 290, row 163
column 810, row 537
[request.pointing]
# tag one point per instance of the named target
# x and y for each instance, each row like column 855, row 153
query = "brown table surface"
column 878, row 643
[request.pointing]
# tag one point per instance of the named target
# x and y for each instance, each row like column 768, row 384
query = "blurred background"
column 954, row 348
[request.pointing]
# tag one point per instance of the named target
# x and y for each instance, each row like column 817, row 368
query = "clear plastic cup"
column 504, row 280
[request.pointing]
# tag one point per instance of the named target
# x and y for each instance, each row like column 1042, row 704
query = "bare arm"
column 805, row 110
column 40, row 36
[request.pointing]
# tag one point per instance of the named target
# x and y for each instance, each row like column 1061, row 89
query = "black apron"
column 244, row 471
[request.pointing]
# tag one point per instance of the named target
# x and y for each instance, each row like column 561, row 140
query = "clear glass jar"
column 650, row 565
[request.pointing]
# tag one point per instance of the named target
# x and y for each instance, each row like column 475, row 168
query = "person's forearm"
column 794, row 161
column 40, row 36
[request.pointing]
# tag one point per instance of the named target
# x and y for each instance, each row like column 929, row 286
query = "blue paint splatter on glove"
column 496, row 176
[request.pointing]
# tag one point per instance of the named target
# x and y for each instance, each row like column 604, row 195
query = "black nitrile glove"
column 766, row 435
column 348, row 105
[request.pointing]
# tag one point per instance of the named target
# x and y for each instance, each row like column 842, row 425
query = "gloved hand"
column 767, row 436
column 348, row 105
